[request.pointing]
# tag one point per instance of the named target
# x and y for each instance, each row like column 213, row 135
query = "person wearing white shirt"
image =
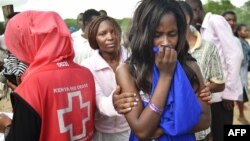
column 80, row 42
column 215, row 28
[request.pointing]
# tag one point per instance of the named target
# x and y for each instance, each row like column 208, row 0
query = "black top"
column 26, row 123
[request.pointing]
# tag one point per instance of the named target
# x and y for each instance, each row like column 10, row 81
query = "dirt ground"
column 5, row 106
column 246, row 111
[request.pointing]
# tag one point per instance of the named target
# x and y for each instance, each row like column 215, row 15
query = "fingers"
column 165, row 60
column 125, row 108
column 11, row 85
column 207, row 99
column 170, row 55
column 166, row 54
column 209, row 102
column 206, row 95
column 207, row 83
column 126, row 95
column 205, row 90
column 161, row 52
column 124, row 111
column 173, row 55
column 124, row 102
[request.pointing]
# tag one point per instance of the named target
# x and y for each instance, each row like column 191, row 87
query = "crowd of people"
column 177, row 76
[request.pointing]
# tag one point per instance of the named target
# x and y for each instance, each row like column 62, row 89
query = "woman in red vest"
column 56, row 98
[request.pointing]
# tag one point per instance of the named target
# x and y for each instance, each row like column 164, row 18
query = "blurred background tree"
column 71, row 23
column 243, row 14
column 216, row 7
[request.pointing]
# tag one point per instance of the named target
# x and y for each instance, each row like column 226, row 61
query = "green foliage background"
column 218, row 7
column 122, row 22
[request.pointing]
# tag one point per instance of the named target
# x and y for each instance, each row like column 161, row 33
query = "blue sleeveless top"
column 182, row 109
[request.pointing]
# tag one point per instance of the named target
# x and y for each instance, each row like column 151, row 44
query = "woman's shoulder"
column 122, row 67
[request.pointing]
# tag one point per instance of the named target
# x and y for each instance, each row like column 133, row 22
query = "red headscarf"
column 38, row 38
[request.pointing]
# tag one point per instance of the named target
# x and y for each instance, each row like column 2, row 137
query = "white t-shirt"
column 81, row 47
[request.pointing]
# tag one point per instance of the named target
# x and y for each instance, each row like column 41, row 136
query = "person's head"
column 156, row 23
column 38, row 38
column 198, row 11
column 88, row 16
column 79, row 20
column 103, row 12
column 104, row 34
column 188, row 14
column 187, row 11
column 242, row 31
column 231, row 18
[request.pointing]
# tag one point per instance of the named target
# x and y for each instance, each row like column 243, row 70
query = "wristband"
column 154, row 108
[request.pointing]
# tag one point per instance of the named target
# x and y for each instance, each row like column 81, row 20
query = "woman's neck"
column 113, row 59
column 110, row 57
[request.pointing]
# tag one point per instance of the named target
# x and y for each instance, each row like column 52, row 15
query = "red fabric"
column 61, row 92
column 38, row 38
column 53, row 102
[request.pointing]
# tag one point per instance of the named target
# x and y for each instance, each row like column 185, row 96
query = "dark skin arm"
column 13, row 86
column 143, row 120
column 124, row 101
column 215, row 87
column 4, row 122
column 205, row 118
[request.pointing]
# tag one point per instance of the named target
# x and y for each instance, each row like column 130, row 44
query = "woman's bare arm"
column 205, row 118
column 143, row 121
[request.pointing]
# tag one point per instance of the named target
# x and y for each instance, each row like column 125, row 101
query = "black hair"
column 141, row 35
column 78, row 16
column 186, row 9
column 228, row 12
column 196, row 3
column 239, row 28
column 104, row 12
column 94, row 26
column 88, row 15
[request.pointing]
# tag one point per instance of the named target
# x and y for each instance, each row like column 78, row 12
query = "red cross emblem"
column 81, row 113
